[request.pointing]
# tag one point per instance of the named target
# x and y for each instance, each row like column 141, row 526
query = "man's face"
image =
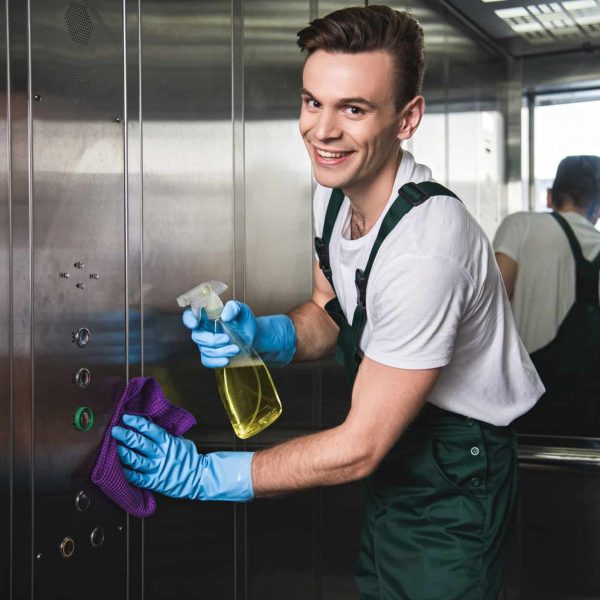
column 348, row 119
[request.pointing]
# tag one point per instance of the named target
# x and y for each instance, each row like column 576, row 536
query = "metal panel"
column 188, row 222
column 78, row 229
column 21, row 305
column 5, row 338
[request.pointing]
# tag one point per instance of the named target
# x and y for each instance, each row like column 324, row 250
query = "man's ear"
column 410, row 117
column 549, row 203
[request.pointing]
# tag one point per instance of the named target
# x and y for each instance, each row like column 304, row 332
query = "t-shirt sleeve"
column 415, row 312
column 510, row 235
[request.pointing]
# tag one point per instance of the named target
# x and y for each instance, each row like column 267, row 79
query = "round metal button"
column 470, row 422
column 82, row 501
column 67, row 547
column 475, row 482
column 474, row 450
column 97, row 537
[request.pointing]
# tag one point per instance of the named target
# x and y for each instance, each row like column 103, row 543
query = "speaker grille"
column 79, row 23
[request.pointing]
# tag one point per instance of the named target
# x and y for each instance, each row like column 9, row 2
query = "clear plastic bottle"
column 245, row 384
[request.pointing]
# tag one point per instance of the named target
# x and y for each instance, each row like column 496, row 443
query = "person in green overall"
column 550, row 264
column 407, row 293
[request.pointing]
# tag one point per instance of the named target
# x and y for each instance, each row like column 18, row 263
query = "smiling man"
column 407, row 292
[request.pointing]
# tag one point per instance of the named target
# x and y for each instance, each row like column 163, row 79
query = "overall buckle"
column 360, row 280
column 413, row 193
column 322, row 249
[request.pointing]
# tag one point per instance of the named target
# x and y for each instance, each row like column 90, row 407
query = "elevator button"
column 82, row 501
column 82, row 337
column 82, row 378
column 97, row 537
column 83, row 419
column 67, row 547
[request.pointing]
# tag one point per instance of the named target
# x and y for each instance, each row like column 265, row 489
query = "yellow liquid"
column 249, row 397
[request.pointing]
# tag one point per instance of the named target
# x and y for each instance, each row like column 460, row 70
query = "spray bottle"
column 245, row 384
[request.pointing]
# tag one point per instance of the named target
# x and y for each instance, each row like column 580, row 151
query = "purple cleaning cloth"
column 142, row 396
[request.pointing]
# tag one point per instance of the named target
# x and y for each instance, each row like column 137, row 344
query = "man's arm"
column 508, row 270
column 384, row 401
column 316, row 332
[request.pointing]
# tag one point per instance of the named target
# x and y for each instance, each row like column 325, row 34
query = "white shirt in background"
column 544, row 289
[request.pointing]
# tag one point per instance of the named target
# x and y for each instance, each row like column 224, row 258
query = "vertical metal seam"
column 141, row 194
column 125, row 124
column 141, row 254
column 31, row 291
column 10, row 303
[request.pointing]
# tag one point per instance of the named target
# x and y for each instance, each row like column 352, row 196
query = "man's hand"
column 156, row 460
column 273, row 337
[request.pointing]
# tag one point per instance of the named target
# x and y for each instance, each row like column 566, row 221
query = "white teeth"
column 326, row 154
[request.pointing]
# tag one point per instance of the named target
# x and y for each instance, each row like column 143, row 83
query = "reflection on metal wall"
column 155, row 148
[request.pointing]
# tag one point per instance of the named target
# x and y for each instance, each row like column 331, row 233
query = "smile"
column 331, row 158
column 331, row 154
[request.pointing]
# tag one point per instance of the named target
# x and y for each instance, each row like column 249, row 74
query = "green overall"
column 439, row 505
column 569, row 365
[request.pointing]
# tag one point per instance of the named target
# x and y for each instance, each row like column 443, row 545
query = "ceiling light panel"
column 552, row 21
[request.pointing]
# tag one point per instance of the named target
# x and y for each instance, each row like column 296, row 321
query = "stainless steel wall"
column 148, row 147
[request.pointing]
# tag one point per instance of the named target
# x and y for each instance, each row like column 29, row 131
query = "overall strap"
column 586, row 272
column 409, row 195
column 322, row 243
column 575, row 246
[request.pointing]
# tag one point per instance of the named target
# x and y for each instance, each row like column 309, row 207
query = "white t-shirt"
column 435, row 299
column 545, row 284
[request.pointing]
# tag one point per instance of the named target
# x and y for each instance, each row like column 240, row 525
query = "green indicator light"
column 83, row 419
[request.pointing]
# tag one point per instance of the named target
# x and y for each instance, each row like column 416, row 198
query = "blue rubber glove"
column 273, row 337
column 156, row 460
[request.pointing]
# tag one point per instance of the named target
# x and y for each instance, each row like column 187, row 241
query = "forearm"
column 327, row 458
column 316, row 332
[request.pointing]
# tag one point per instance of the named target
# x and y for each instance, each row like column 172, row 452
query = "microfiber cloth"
column 141, row 396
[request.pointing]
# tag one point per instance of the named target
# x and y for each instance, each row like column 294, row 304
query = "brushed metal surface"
column 21, row 305
column 133, row 274
column 5, row 324
column 188, row 176
column 78, row 227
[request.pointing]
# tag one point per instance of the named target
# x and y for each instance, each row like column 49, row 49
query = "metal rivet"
column 474, row 450
column 118, row 119
column 476, row 482
column 38, row 556
column 79, row 265
column 64, row 275
column 80, row 286
column 120, row 528
column 470, row 422
column 37, row 97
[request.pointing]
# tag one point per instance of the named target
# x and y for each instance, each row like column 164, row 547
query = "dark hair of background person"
column 577, row 180
column 364, row 29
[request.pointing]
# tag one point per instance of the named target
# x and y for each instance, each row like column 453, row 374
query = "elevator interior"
column 148, row 146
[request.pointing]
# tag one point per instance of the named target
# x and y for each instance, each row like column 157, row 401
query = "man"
column 549, row 263
column 437, row 366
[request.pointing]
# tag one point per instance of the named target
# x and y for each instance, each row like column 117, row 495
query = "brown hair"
column 363, row 29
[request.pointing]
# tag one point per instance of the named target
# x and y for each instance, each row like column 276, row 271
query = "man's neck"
column 369, row 199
